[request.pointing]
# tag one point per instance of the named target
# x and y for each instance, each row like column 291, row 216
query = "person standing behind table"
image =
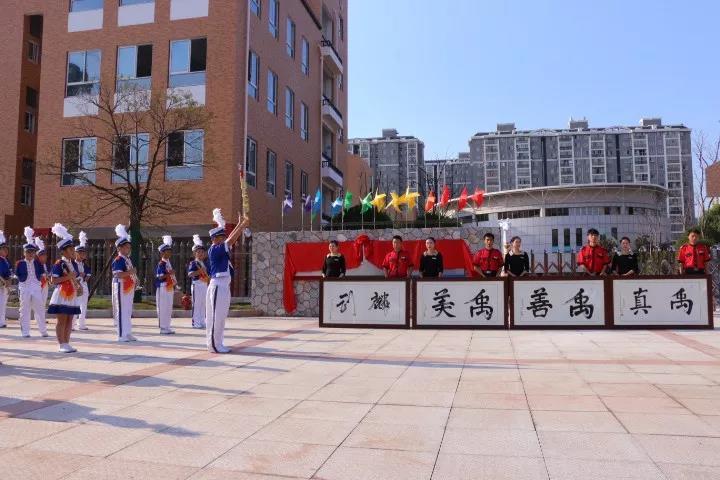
column 625, row 263
column 5, row 275
column 397, row 263
column 334, row 265
column 431, row 261
column 488, row 260
column 517, row 262
column 198, row 273
column 693, row 256
column 593, row 257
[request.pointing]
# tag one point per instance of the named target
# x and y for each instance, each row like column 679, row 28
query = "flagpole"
column 282, row 217
column 302, row 217
column 342, row 218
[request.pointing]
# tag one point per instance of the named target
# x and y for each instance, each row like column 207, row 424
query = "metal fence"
column 101, row 252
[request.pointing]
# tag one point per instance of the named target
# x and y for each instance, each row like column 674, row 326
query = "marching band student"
column 218, row 294
column 431, row 261
column 5, row 275
column 83, row 272
column 397, row 263
column 517, row 262
column 198, row 273
column 64, row 300
column 693, row 256
column 42, row 257
column 625, row 263
column 31, row 274
column 123, row 286
column 334, row 264
column 488, row 260
column 593, row 257
column 165, row 287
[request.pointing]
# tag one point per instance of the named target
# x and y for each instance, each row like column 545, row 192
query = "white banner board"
column 366, row 303
column 671, row 301
column 460, row 303
column 546, row 302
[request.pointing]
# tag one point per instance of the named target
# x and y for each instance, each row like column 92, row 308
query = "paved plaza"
column 296, row 401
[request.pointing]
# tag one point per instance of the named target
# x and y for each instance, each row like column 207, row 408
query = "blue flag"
column 317, row 203
column 336, row 206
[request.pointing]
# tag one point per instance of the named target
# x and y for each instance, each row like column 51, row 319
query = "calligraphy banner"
column 662, row 301
column 369, row 302
column 471, row 303
column 558, row 301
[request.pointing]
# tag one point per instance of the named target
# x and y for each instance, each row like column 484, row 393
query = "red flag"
column 445, row 198
column 462, row 201
column 478, row 197
column 430, row 202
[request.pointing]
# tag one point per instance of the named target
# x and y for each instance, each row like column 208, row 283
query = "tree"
column 706, row 153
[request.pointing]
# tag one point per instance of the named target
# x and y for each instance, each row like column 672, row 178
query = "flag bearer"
column 165, row 282
column 123, row 286
column 198, row 273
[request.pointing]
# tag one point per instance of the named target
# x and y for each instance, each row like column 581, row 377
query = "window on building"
column 273, row 17
column 251, row 162
column 555, row 238
column 79, row 161
column 270, row 172
column 85, row 5
column 130, row 158
column 557, row 212
column 290, row 40
column 83, row 73
column 578, row 237
column 36, row 25
column 340, row 82
column 304, row 122
column 254, row 75
column 188, row 62
column 28, row 169
column 272, row 92
column 341, row 28
column 33, row 52
column 255, row 7
column 289, row 108
column 566, row 237
column 134, row 67
column 303, row 184
column 614, row 233
column 29, row 122
column 185, row 155
column 134, row 2
column 289, row 178
column 26, row 195
column 305, row 57
column 31, row 97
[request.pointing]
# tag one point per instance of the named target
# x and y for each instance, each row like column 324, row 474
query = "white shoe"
column 166, row 331
column 66, row 348
column 223, row 349
column 131, row 338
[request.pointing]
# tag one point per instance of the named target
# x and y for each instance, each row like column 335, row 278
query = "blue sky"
column 443, row 70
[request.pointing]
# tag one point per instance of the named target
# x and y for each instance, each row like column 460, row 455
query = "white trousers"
column 3, row 305
column 199, row 294
column 216, row 311
column 31, row 302
column 82, row 303
column 122, row 309
column 164, row 304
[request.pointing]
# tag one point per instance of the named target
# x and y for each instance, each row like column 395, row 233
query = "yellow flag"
column 410, row 198
column 395, row 202
column 379, row 201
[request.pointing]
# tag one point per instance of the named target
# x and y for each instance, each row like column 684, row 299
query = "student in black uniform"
column 431, row 262
column 625, row 263
column 334, row 266
column 517, row 262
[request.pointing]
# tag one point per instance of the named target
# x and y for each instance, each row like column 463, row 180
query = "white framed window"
column 29, row 122
column 253, row 75
column 290, row 38
column 83, row 73
column 26, row 195
column 341, row 28
column 289, row 178
column 188, row 62
column 185, row 155
column 270, row 172
column 304, row 121
column 78, row 162
column 134, row 67
column 33, row 53
column 305, row 56
column 85, row 5
column 272, row 92
column 130, row 158
column 273, row 17
column 255, row 7
column 251, row 162
column 134, row 2
column 289, row 108
column 303, row 184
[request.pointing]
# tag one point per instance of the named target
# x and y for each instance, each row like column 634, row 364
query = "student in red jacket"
column 488, row 261
column 593, row 257
column 693, row 256
column 397, row 264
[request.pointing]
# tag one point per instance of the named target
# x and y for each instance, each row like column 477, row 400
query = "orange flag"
column 430, row 202
column 478, row 197
column 462, row 201
column 445, row 198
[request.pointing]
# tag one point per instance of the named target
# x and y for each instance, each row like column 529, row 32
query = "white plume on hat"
column 197, row 241
column 218, row 218
column 82, row 238
column 39, row 243
column 2, row 237
column 167, row 240
column 29, row 233
column 121, row 232
column 60, row 231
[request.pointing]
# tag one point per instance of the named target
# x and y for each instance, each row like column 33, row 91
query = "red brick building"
column 272, row 73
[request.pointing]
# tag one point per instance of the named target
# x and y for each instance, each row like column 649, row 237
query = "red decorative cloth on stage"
column 309, row 257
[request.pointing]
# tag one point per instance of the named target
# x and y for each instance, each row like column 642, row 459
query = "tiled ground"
column 295, row 401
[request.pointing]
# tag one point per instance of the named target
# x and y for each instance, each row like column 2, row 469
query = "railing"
column 329, row 164
column 327, row 101
column 327, row 43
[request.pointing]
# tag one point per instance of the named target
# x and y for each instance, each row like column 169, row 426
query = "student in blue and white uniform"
column 198, row 273
column 5, row 276
column 31, row 274
column 165, row 282
column 218, row 294
column 123, row 286
column 83, row 272
column 42, row 257
column 64, row 300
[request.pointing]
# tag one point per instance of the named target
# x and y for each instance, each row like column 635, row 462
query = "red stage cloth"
column 309, row 257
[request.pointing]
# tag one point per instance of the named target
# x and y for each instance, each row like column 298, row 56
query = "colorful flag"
column 395, row 202
column 379, row 201
column 410, row 198
column 478, row 197
column 287, row 204
column 366, row 203
column 430, row 202
column 347, row 203
column 336, row 206
column 317, row 204
column 462, row 201
column 445, row 197
column 307, row 202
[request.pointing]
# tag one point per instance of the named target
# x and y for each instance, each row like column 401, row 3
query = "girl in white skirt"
column 64, row 300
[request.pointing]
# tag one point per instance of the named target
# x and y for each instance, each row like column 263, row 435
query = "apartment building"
column 453, row 172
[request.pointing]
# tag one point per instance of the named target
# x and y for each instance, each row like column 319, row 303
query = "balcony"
column 329, row 172
column 331, row 57
column 331, row 115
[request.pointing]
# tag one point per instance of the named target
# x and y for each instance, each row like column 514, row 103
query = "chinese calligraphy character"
column 640, row 301
column 681, row 302
column 539, row 305
column 581, row 305
column 480, row 305
column 380, row 302
column 442, row 305
column 345, row 300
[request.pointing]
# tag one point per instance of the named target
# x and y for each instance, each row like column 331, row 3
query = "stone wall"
column 268, row 262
